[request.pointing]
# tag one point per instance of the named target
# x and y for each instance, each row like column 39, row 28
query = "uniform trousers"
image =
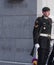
column 43, row 51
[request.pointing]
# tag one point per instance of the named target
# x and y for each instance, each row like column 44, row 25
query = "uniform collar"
column 45, row 17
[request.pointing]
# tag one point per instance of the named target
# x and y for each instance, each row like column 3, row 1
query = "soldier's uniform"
column 42, row 27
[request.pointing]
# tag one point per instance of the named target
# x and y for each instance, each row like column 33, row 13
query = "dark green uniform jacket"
column 42, row 25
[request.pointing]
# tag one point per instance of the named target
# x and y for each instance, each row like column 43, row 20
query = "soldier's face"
column 47, row 13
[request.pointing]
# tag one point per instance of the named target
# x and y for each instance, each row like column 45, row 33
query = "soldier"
column 41, row 35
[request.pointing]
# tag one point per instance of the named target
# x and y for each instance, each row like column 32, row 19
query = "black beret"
column 46, row 9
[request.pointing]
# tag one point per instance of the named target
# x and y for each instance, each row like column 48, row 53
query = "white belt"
column 45, row 35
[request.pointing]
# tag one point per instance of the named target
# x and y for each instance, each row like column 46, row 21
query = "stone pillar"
column 39, row 7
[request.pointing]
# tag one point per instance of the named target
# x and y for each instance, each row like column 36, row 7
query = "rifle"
column 35, row 60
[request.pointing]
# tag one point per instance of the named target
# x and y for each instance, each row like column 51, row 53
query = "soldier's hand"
column 51, row 43
column 37, row 45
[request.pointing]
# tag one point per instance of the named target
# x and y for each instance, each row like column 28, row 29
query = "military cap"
column 44, row 9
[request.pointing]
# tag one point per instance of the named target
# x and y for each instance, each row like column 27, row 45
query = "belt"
column 45, row 35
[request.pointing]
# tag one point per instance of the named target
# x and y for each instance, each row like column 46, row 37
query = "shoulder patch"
column 36, row 24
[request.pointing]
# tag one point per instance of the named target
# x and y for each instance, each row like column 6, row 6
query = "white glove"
column 37, row 45
column 51, row 43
